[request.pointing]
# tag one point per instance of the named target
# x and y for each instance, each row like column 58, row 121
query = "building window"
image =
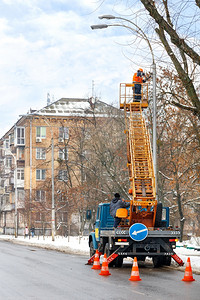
column 64, row 132
column 40, row 195
column 40, row 174
column 6, row 144
column 40, row 153
column 62, row 175
column 20, row 174
column 20, row 136
column 63, row 154
column 11, row 138
column 20, row 153
column 41, row 132
column 9, row 162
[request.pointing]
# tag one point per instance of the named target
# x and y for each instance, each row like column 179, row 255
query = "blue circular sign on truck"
column 138, row 232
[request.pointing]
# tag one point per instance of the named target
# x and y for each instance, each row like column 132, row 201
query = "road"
column 34, row 273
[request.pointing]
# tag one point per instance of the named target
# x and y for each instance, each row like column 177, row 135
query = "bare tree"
column 178, row 154
column 96, row 162
column 180, row 41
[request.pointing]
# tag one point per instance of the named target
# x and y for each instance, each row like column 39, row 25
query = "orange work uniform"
column 137, row 86
column 137, row 78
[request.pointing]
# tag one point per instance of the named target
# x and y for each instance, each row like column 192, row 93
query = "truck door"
column 97, row 224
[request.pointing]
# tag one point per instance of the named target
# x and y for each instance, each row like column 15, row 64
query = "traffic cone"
column 188, row 272
column 96, row 264
column 135, row 271
column 104, row 268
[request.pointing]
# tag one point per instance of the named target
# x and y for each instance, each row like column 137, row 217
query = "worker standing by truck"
column 114, row 205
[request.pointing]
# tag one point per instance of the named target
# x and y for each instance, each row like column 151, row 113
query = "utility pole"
column 16, row 199
column 154, row 124
column 52, row 180
column 30, row 196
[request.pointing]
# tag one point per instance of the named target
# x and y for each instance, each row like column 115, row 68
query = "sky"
column 47, row 46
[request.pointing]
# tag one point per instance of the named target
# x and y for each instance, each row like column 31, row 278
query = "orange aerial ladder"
column 143, row 204
column 131, row 238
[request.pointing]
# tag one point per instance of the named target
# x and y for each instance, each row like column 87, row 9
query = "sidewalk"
column 72, row 244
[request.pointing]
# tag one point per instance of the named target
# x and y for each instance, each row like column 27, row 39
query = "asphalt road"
column 34, row 273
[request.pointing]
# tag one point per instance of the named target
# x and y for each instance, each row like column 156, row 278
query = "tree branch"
column 167, row 12
column 187, row 82
column 198, row 3
column 176, row 40
column 185, row 107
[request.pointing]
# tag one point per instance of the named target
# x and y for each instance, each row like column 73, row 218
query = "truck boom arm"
column 139, row 157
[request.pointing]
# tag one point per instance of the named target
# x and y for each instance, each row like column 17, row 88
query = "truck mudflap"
column 91, row 259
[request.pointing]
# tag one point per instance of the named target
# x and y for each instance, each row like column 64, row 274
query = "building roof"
column 75, row 107
column 70, row 107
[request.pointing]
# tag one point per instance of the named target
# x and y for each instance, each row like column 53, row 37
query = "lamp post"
column 16, row 196
column 139, row 31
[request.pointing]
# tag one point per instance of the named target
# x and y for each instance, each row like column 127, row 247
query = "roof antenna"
column 48, row 99
column 92, row 88
column 93, row 98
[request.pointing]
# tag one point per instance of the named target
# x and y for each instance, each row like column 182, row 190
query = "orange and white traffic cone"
column 188, row 272
column 135, row 271
column 104, row 267
column 96, row 264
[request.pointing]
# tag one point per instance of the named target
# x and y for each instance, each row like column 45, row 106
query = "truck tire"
column 157, row 261
column 158, row 220
column 118, row 262
column 92, row 250
column 167, row 260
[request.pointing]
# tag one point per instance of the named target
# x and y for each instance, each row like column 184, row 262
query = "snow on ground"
column 72, row 244
column 79, row 245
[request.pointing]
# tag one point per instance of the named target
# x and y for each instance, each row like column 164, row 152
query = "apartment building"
column 34, row 164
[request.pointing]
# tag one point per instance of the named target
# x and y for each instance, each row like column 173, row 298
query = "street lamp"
column 139, row 31
column 100, row 26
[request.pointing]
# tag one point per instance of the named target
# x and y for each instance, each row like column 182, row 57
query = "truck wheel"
column 158, row 220
column 118, row 262
column 167, row 260
column 157, row 261
column 92, row 250
column 108, row 253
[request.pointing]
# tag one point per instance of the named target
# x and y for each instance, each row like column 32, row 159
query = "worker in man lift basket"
column 116, row 203
column 138, row 78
